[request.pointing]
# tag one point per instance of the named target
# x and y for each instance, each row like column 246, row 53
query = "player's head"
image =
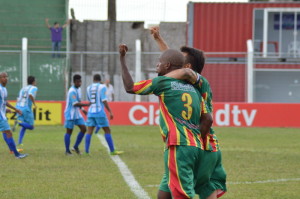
column 3, row 78
column 194, row 58
column 97, row 78
column 77, row 80
column 31, row 80
column 169, row 60
column 56, row 24
column 107, row 81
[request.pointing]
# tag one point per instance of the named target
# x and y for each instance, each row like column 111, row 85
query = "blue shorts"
column 69, row 124
column 27, row 116
column 97, row 121
column 4, row 125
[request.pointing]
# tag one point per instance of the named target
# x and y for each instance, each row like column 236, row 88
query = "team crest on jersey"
column 73, row 96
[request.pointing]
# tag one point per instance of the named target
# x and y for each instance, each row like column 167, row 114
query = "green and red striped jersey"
column 206, row 93
column 180, row 109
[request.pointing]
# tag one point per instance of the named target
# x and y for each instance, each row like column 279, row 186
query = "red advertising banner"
column 256, row 115
column 225, row 114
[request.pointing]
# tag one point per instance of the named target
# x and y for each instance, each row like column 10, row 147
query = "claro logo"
column 144, row 115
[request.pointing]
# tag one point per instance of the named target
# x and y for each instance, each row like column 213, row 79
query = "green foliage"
column 249, row 155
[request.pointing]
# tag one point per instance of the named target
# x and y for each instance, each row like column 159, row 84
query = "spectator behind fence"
column 56, row 36
column 109, row 91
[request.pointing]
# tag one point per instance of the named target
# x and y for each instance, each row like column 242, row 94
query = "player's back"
column 96, row 96
column 180, row 105
column 3, row 98
column 23, row 99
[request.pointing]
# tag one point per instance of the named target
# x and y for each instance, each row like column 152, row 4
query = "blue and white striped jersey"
column 96, row 95
column 3, row 98
column 23, row 100
column 73, row 112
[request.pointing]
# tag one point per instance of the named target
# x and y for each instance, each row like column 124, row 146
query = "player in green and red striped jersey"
column 180, row 109
column 194, row 59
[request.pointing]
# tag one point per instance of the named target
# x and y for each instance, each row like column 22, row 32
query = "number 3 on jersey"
column 187, row 98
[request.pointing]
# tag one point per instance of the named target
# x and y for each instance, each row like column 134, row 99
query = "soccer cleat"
column 68, row 153
column 21, row 156
column 19, row 150
column 116, row 152
column 76, row 150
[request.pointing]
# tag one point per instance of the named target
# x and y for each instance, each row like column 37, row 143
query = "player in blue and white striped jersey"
column 4, row 127
column 96, row 114
column 25, row 101
column 73, row 116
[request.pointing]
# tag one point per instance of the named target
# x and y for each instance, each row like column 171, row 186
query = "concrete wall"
column 93, row 36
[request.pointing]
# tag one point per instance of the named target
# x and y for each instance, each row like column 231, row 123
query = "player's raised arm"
column 159, row 40
column 127, row 79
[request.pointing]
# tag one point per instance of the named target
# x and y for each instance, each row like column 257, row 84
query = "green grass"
column 249, row 155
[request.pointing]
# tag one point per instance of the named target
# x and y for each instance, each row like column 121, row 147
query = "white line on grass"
column 266, row 181
column 254, row 182
column 126, row 173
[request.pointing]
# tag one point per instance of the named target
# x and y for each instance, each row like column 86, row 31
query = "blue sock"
column 67, row 141
column 5, row 139
column 26, row 125
column 109, row 141
column 21, row 136
column 97, row 129
column 87, row 142
column 78, row 139
column 11, row 144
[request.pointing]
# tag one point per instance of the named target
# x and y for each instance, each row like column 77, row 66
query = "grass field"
column 261, row 163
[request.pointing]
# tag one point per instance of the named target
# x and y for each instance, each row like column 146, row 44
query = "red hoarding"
column 225, row 114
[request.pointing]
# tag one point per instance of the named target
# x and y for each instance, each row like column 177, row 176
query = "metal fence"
column 228, row 74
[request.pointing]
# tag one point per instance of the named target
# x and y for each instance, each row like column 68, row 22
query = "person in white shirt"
column 109, row 91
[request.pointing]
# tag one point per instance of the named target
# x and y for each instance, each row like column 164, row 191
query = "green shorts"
column 181, row 170
column 216, row 175
column 211, row 176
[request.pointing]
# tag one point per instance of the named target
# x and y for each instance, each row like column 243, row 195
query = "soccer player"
column 110, row 97
column 4, row 127
column 179, row 121
column 24, row 103
column 97, row 116
column 194, row 59
column 73, row 116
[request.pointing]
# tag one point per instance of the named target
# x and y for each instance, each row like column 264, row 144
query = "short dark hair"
column 76, row 77
column 194, row 57
column 30, row 79
column 97, row 77
column 55, row 22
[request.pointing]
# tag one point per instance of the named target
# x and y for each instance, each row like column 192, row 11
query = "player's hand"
column 46, row 19
column 155, row 32
column 8, row 111
column 111, row 115
column 34, row 106
column 123, row 49
column 19, row 111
